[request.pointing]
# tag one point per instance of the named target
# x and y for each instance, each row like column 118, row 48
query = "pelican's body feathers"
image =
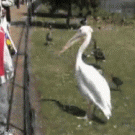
column 94, row 87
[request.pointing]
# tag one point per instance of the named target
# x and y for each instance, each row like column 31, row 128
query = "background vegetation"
column 55, row 81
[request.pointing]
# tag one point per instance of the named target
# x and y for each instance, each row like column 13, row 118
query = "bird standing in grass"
column 49, row 37
column 117, row 81
column 91, row 83
column 83, row 21
column 98, row 53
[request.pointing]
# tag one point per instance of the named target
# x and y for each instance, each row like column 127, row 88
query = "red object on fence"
column 2, row 40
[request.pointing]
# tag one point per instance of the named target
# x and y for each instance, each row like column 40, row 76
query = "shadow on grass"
column 39, row 14
column 114, row 89
column 74, row 110
column 98, row 120
column 50, row 15
column 117, row 90
column 67, row 108
column 56, row 25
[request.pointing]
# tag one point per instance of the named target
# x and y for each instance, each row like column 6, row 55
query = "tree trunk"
column 69, row 14
column 81, row 8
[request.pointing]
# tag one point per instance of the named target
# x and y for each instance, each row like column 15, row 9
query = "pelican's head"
column 85, row 29
column 82, row 32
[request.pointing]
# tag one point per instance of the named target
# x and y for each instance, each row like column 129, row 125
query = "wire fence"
column 29, row 113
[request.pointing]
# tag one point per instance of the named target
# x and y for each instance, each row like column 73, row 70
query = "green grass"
column 50, row 19
column 54, row 79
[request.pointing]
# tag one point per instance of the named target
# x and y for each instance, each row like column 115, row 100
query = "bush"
column 116, row 18
column 129, row 22
column 103, row 14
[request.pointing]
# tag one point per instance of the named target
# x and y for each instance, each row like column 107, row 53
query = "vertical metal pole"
column 18, row 3
column 29, row 13
column 27, row 105
column 26, row 91
column 69, row 13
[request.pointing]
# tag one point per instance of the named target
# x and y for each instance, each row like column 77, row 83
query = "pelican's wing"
column 94, row 86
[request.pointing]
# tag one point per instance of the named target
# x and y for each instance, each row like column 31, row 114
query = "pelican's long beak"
column 74, row 39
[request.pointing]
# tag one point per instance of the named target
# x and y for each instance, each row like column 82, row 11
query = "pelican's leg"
column 89, row 112
column 94, row 110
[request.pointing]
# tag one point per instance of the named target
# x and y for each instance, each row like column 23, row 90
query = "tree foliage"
column 94, row 3
column 88, row 4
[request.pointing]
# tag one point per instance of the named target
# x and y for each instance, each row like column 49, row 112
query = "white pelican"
column 92, row 84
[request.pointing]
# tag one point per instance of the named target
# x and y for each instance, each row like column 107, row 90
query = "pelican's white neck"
column 82, row 49
column 84, row 45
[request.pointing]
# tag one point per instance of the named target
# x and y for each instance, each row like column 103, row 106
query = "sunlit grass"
column 55, row 79
column 52, row 20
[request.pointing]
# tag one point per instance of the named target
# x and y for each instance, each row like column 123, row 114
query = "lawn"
column 56, row 83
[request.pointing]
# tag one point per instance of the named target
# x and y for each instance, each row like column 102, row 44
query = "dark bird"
column 84, row 56
column 116, row 81
column 49, row 37
column 83, row 21
column 98, row 53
